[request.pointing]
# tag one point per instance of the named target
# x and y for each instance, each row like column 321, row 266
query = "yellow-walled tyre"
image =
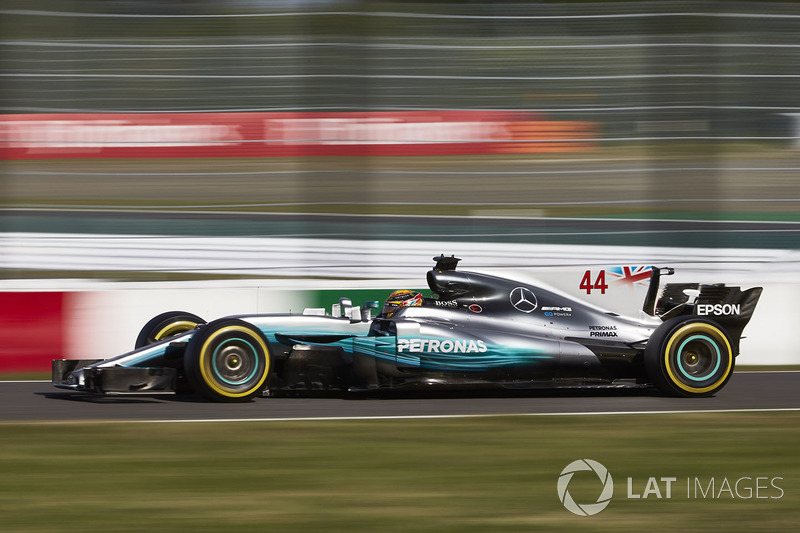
column 689, row 357
column 228, row 360
column 167, row 325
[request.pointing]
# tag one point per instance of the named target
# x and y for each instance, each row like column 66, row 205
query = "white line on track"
column 763, row 371
column 398, row 417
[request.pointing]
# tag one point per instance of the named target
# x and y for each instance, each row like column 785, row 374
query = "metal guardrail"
column 723, row 70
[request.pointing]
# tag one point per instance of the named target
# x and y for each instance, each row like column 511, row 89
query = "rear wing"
column 730, row 307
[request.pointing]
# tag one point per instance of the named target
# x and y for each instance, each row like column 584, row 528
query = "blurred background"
column 330, row 139
column 242, row 156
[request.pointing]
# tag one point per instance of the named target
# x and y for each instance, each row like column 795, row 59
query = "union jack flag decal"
column 630, row 275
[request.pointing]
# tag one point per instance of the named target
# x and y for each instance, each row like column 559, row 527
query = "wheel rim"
column 698, row 358
column 234, row 361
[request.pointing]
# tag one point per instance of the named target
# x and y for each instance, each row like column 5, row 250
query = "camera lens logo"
column 586, row 509
column 523, row 299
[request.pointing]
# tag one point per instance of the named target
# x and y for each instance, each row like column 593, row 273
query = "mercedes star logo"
column 523, row 299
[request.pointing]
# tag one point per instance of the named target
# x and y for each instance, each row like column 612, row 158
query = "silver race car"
column 477, row 331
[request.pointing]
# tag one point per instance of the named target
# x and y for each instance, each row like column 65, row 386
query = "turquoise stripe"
column 680, row 351
column 245, row 380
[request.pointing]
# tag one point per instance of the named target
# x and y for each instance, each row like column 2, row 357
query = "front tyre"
column 689, row 357
column 167, row 325
column 227, row 361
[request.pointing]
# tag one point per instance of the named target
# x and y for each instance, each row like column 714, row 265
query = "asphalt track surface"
column 39, row 401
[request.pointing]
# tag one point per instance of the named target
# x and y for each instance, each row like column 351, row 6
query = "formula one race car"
column 480, row 330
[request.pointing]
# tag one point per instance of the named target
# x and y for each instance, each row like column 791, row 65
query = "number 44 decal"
column 599, row 282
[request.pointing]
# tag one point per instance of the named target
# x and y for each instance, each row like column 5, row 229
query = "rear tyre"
column 227, row 361
column 167, row 325
column 689, row 357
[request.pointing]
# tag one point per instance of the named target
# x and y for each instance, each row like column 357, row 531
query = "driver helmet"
column 401, row 298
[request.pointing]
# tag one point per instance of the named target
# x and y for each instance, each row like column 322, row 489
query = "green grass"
column 477, row 474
